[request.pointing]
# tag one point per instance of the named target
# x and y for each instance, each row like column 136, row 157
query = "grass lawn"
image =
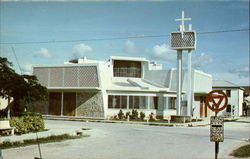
column 49, row 139
column 243, row 151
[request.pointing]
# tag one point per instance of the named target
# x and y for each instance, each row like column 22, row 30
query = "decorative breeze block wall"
column 67, row 76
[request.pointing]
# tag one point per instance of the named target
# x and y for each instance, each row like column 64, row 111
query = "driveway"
column 129, row 141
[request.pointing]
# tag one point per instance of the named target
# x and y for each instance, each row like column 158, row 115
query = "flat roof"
column 124, row 58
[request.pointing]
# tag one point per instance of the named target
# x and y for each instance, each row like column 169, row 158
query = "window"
column 131, row 102
column 136, row 102
column 120, row 102
column 228, row 93
column 124, row 68
column 143, row 102
column 171, row 102
column 228, row 108
column 153, row 102
column 124, row 102
column 110, row 98
column 117, row 102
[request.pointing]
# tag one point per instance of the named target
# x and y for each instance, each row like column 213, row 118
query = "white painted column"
column 166, row 103
column 127, row 102
column 179, row 79
column 189, row 89
column 148, row 102
column 62, row 104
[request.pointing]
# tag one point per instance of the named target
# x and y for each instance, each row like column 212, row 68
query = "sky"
column 33, row 33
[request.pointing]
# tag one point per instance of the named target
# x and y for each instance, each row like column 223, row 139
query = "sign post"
column 216, row 122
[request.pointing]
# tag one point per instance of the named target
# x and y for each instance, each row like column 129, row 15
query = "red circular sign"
column 216, row 104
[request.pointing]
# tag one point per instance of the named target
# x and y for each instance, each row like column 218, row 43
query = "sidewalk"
column 51, row 130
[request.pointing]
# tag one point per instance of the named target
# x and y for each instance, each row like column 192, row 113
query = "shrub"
column 142, row 115
column 134, row 114
column 152, row 117
column 121, row 115
column 127, row 114
column 26, row 124
column 29, row 114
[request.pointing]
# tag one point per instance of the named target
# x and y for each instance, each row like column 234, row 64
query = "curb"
column 129, row 122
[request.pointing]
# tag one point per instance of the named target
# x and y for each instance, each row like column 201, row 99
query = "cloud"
column 241, row 72
column 162, row 52
column 200, row 60
column 81, row 50
column 129, row 47
column 42, row 53
column 26, row 69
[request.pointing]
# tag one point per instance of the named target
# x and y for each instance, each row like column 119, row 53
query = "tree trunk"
column 8, row 113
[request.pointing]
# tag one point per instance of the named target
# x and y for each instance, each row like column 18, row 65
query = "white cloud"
column 241, row 72
column 42, row 53
column 81, row 50
column 26, row 69
column 200, row 60
column 162, row 52
column 129, row 47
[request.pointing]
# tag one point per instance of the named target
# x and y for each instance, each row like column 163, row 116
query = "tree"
column 20, row 87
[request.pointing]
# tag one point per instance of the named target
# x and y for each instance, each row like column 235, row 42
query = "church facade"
column 100, row 89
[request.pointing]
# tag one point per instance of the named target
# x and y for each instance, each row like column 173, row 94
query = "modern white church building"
column 100, row 89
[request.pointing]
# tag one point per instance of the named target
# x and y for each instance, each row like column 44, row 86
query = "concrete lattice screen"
column 81, row 76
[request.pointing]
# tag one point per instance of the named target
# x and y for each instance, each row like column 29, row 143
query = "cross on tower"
column 182, row 19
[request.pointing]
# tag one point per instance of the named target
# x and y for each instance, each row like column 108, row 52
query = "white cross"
column 182, row 19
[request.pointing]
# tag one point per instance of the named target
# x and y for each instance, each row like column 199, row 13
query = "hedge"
column 27, row 124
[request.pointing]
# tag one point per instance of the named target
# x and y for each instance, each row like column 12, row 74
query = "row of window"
column 132, row 102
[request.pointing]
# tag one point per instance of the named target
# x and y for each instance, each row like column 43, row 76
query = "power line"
column 118, row 38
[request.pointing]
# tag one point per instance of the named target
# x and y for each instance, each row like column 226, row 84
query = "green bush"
column 127, row 115
column 27, row 124
column 134, row 114
column 142, row 115
column 29, row 114
column 152, row 117
column 121, row 115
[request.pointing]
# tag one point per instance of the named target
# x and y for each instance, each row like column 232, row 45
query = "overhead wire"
column 13, row 50
column 119, row 38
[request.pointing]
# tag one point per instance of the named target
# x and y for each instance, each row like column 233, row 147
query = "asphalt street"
column 131, row 141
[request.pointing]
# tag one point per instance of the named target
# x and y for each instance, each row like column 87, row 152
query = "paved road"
column 126, row 141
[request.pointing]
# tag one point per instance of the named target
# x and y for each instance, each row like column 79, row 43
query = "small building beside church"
column 235, row 96
column 100, row 89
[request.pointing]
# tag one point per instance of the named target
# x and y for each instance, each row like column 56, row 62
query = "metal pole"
column 216, row 145
column 179, row 78
column 38, row 146
column 189, row 90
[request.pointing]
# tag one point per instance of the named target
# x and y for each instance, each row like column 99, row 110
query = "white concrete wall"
column 241, row 100
column 202, row 82
column 236, row 100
